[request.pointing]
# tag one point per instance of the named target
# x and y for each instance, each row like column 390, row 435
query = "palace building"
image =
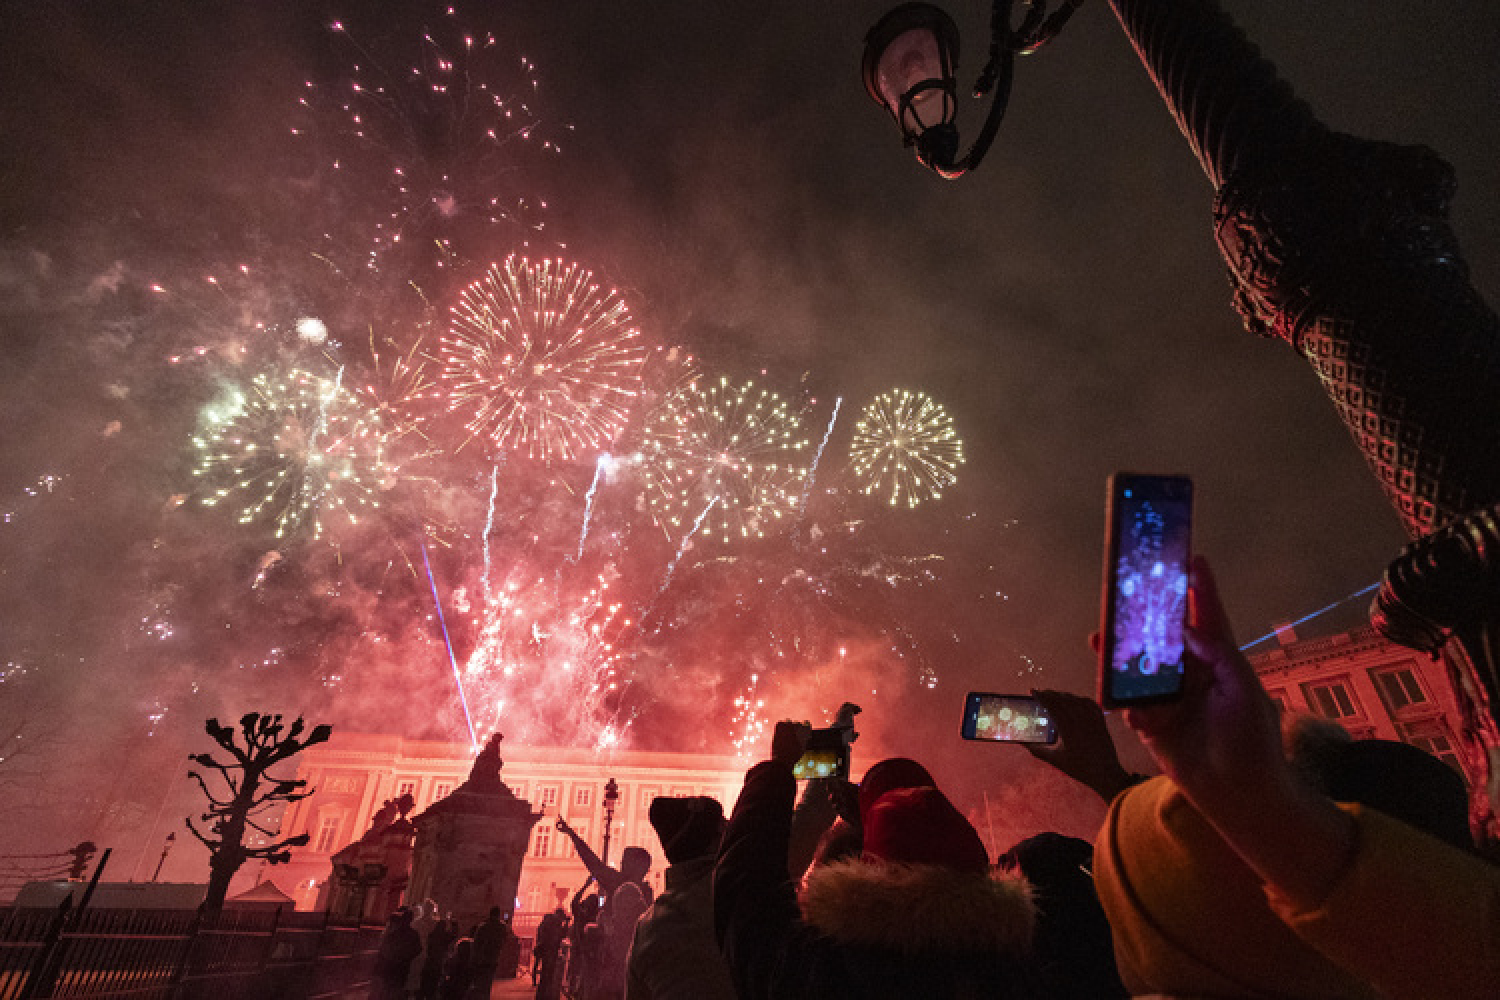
column 1368, row 685
column 354, row 773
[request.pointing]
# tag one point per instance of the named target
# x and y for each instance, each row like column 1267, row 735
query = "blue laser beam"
column 1309, row 617
column 448, row 642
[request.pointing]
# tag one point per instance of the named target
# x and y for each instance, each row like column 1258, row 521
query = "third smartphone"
column 1148, row 545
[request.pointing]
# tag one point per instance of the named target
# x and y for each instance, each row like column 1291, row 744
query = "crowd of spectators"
column 1265, row 860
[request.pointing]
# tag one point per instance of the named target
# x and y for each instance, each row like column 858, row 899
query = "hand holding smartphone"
column 1006, row 718
column 1148, row 545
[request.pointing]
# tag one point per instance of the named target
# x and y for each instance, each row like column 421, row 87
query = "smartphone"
column 1148, row 544
column 1006, row 718
column 826, row 756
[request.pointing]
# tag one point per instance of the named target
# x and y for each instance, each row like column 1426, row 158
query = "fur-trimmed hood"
column 920, row 909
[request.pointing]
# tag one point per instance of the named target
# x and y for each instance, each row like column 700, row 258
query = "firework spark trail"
column 588, row 504
column 448, row 642
column 322, row 422
column 672, row 566
column 812, row 474
column 489, row 525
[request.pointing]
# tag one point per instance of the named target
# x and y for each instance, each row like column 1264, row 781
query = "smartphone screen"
column 1006, row 718
column 825, row 763
column 826, row 756
column 1147, row 550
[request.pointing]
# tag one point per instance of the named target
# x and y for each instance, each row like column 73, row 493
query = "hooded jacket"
column 871, row 929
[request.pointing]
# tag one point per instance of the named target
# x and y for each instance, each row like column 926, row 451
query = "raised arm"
column 608, row 878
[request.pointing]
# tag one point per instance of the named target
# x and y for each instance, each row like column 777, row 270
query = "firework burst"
column 541, row 361
column 293, row 450
column 905, row 448
column 734, row 451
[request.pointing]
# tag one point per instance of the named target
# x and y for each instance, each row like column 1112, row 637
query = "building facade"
column 353, row 773
column 1368, row 685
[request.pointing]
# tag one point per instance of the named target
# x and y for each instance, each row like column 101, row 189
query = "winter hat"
column 688, row 827
column 920, row 826
column 1402, row 781
column 893, row 772
column 635, row 858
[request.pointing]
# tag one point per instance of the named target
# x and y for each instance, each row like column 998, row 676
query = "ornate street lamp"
column 911, row 57
column 166, row 848
column 1340, row 247
column 611, row 797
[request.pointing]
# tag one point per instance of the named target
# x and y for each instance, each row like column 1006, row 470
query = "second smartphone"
column 1006, row 718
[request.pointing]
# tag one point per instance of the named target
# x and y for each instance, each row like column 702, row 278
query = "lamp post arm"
column 944, row 165
column 1228, row 100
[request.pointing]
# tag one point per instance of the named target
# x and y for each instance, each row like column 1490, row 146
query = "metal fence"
column 181, row 955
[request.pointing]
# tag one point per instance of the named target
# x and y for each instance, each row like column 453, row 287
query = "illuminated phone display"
column 820, row 764
column 1146, row 585
column 1006, row 718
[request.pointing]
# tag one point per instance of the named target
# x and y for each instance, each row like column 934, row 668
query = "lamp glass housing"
column 916, row 81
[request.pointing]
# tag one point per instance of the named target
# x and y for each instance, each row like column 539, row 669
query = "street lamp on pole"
column 166, row 849
column 611, row 797
column 1340, row 247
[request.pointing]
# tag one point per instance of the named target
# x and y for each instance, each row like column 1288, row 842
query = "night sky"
column 721, row 166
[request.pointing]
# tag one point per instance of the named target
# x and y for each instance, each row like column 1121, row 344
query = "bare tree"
column 251, row 792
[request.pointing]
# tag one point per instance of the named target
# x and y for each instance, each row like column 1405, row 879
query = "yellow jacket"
column 1412, row 917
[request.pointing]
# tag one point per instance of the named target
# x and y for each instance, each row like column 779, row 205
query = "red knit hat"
column 920, row 826
column 893, row 772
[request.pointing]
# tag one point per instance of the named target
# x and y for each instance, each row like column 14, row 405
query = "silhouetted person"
column 585, row 907
column 458, row 971
column 673, row 955
column 490, row 938
column 439, row 944
column 426, row 919
column 546, row 976
column 1075, row 956
column 399, row 944
column 626, row 896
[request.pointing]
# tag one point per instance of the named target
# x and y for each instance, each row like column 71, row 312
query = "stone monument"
column 370, row 875
column 469, row 846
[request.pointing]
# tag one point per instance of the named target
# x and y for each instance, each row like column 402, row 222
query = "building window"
column 441, row 790
column 1278, row 698
column 328, row 832
column 583, row 796
column 681, row 792
column 543, row 840
column 547, row 794
column 1433, row 737
column 519, row 789
column 1331, row 699
column 406, row 788
column 649, row 794
column 1399, row 688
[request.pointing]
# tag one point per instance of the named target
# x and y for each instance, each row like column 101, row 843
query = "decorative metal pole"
column 1341, row 247
column 166, row 848
column 611, row 796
